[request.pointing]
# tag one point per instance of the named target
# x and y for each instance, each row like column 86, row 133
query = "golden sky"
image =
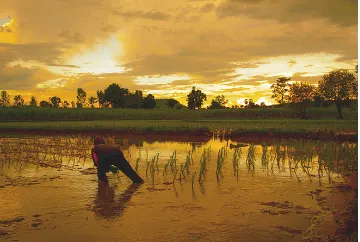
column 237, row 48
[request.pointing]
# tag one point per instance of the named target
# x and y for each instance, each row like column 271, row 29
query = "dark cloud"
column 71, row 37
column 153, row 15
column 181, row 82
column 207, row 7
column 59, row 65
column 42, row 52
column 338, row 12
column 155, row 64
column 22, row 78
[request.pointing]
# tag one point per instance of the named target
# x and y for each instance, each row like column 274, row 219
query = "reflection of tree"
column 109, row 206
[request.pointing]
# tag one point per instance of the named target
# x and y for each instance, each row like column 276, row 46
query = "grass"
column 88, row 114
column 317, row 129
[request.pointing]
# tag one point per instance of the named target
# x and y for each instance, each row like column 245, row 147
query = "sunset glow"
column 229, row 48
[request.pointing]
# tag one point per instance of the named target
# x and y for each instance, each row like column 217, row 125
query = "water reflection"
column 108, row 205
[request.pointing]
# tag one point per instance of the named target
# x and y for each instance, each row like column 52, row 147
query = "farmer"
column 106, row 155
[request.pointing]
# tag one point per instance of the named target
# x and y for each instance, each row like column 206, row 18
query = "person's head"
column 98, row 141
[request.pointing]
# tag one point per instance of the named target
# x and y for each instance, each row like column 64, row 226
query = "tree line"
column 339, row 87
column 113, row 96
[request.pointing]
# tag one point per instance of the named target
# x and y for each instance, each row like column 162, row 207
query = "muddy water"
column 54, row 198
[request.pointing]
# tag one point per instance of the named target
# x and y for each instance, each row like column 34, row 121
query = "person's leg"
column 101, row 172
column 120, row 162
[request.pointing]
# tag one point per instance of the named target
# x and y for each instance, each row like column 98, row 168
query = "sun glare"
column 101, row 59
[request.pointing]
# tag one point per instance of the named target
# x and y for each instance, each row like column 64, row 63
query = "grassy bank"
column 87, row 114
column 316, row 129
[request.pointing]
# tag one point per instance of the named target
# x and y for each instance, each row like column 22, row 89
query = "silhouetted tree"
column 262, row 104
column 81, row 98
column 33, row 102
column 101, row 98
column 5, row 99
column 301, row 95
column 195, row 98
column 338, row 86
column 66, row 104
column 55, row 101
column 115, row 95
column 218, row 102
column 318, row 100
column 45, row 104
column 171, row 103
column 134, row 100
column 92, row 101
column 18, row 101
column 149, row 102
column 72, row 104
column 251, row 104
column 280, row 90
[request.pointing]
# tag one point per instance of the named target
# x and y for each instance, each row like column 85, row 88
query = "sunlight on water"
column 195, row 190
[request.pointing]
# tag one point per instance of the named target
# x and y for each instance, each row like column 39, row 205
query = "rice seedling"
column 264, row 157
column 203, row 162
column 236, row 158
column 187, row 164
column 137, row 164
column 220, row 162
column 250, row 159
column 193, row 179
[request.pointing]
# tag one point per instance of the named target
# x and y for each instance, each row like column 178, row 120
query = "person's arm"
column 95, row 158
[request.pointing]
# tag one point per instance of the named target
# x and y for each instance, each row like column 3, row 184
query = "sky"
column 235, row 48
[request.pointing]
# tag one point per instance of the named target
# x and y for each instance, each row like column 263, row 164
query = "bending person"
column 106, row 155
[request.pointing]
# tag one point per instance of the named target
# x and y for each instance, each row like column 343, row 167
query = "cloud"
column 152, row 15
column 207, row 7
column 342, row 13
column 23, row 78
column 42, row 52
column 71, row 37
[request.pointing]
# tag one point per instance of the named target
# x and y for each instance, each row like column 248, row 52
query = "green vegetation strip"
column 92, row 114
column 288, row 127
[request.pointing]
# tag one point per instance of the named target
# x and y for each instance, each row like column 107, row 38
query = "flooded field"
column 195, row 190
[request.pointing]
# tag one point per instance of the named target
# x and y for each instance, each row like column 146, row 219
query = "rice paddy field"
column 197, row 188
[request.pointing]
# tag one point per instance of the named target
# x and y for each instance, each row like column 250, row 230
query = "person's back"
column 105, row 155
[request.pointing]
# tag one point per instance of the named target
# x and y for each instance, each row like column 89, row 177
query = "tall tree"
column 101, row 99
column 149, row 102
column 134, row 100
column 33, row 102
column 115, row 95
column 338, row 86
column 55, row 101
column 66, row 104
column 45, row 104
column 81, row 98
column 218, row 102
column 18, row 101
column 280, row 90
column 92, row 101
column 195, row 98
column 5, row 99
column 301, row 95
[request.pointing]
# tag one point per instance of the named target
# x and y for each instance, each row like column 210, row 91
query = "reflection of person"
column 106, row 206
column 106, row 155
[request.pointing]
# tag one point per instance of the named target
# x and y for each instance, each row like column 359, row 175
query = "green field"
column 318, row 129
column 87, row 114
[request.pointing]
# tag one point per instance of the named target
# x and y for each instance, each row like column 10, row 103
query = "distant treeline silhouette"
column 338, row 87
